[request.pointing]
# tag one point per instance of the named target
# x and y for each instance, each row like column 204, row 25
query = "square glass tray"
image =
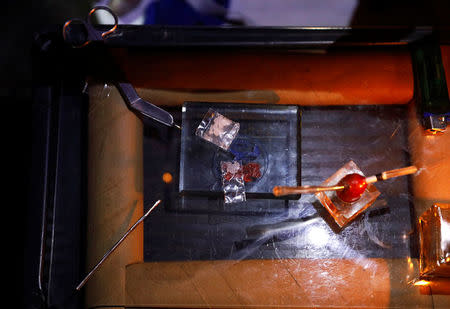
column 274, row 129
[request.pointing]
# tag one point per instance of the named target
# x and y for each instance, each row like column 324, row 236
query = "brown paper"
column 431, row 155
column 115, row 195
column 115, row 182
column 287, row 77
column 289, row 283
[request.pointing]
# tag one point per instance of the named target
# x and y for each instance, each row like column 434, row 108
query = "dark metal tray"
column 375, row 137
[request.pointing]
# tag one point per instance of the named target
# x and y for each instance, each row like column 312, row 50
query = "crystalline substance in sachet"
column 217, row 129
column 233, row 181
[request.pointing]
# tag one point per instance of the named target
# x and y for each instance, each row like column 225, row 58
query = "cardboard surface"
column 115, row 186
column 305, row 78
column 289, row 283
column 259, row 283
column 115, row 197
column 430, row 154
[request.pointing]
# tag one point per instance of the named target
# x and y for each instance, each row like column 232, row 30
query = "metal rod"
column 281, row 191
column 83, row 282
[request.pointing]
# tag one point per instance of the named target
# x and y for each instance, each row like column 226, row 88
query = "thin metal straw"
column 82, row 283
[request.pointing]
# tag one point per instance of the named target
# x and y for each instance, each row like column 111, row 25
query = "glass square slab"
column 270, row 131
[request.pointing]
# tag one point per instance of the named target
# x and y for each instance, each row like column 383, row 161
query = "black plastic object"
column 430, row 86
column 298, row 37
column 55, row 225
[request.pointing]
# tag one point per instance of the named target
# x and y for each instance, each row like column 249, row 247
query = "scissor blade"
column 152, row 111
column 142, row 107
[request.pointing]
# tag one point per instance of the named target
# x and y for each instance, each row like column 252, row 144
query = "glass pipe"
column 350, row 188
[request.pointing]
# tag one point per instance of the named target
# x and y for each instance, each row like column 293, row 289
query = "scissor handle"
column 104, row 8
column 80, row 21
column 92, row 34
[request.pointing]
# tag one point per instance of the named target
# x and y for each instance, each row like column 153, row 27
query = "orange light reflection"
column 421, row 283
column 167, row 177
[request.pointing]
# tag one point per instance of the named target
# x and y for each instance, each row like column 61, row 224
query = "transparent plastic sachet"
column 217, row 129
column 233, row 182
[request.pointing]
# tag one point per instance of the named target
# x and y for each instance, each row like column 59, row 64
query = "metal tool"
column 83, row 282
column 141, row 107
column 436, row 124
column 281, row 190
column 90, row 32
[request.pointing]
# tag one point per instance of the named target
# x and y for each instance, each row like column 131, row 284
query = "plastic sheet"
column 293, row 248
column 282, row 224
column 434, row 232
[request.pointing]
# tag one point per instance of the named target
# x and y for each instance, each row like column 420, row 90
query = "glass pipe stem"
column 391, row 174
column 281, row 191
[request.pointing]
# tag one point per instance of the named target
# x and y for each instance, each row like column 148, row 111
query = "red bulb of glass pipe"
column 355, row 185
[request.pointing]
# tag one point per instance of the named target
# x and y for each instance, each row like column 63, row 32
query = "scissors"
column 141, row 107
column 90, row 32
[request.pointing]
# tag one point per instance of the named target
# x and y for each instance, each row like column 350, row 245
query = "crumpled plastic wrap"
column 289, row 253
column 434, row 232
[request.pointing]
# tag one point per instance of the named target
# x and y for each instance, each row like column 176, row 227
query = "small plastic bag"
column 217, row 129
column 233, row 182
